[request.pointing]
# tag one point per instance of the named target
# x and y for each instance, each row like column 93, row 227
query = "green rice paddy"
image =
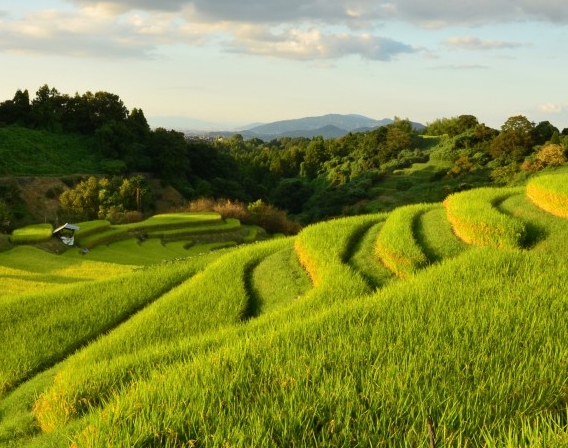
column 356, row 332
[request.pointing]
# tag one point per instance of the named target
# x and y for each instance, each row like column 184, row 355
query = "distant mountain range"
column 328, row 126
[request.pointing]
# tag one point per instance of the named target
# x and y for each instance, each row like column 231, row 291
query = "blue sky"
column 223, row 63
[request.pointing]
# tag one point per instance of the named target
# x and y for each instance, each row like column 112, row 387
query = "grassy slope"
column 27, row 152
column 464, row 341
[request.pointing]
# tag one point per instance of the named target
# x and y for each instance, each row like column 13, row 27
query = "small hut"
column 66, row 233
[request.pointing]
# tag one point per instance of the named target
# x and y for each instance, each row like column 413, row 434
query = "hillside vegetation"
column 372, row 330
column 378, row 169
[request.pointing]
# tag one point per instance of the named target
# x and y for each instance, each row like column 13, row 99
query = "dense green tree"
column 47, row 109
column 543, row 132
column 102, row 198
column 112, row 140
column 170, row 159
column 83, row 201
column 515, row 141
column 451, row 126
column 314, row 157
column 16, row 111
column 291, row 194
column 138, row 145
column 22, row 108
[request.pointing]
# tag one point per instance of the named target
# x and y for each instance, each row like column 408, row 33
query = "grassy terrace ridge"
column 550, row 192
column 476, row 219
column 32, row 234
column 397, row 245
column 309, row 340
column 216, row 308
column 157, row 226
column 26, row 269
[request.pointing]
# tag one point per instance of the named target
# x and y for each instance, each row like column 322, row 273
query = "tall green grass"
column 108, row 235
column 228, row 225
column 279, row 279
column 39, row 329
column 396, row 243
column 365, row 261
column 435, row 237
column 476, row 220
column 324, row 247
column 88, row 228
column 545, row 232
column 176, row 220
column 477, row 342
column 210, row 301
column 32, row 234
column 167, row 225
column 28, row 269
column 550, row 192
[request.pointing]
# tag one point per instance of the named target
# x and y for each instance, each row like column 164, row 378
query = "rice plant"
column 550, row 192
column 396, row 243
column 246, row 353
column 476, row 220
column 32, row 234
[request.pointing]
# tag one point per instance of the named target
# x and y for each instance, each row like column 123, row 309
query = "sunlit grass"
column 464, row 342
column 248, row 353
column 27, row 269
column 434, row 235
column 367, row 263
column 476, row 219
column 279, row 279
column 40, row 328
column 550, row 192
column 32, row 234
column 216, row 298
column 396, row 243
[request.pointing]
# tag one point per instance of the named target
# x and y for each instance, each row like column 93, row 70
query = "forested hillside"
column 75, row 136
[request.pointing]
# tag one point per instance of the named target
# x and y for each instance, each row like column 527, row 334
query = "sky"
column 226, row 63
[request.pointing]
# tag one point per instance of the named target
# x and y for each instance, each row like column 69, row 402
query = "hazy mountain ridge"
column 345, row 122
column 328, row 126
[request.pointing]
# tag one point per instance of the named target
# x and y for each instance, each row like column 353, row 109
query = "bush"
column 551, row 155
column 270, row 218
column 403, row 184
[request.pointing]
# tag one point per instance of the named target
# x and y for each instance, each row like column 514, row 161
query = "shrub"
column 403, row 184
column 551, row 155
column 272, row 219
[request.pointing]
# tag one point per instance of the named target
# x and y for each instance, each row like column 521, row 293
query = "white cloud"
column 433, row 13
column 312, row 44
column 297, row 29
column 94, row 32
column 551, row 108
column 474, row 43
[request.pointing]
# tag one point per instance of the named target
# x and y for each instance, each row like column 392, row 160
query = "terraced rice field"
column 361, row 331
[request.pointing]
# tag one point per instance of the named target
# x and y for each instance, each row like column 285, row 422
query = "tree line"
column 311, row 178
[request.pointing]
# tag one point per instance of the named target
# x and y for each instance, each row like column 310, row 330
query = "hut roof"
column 66, row 226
